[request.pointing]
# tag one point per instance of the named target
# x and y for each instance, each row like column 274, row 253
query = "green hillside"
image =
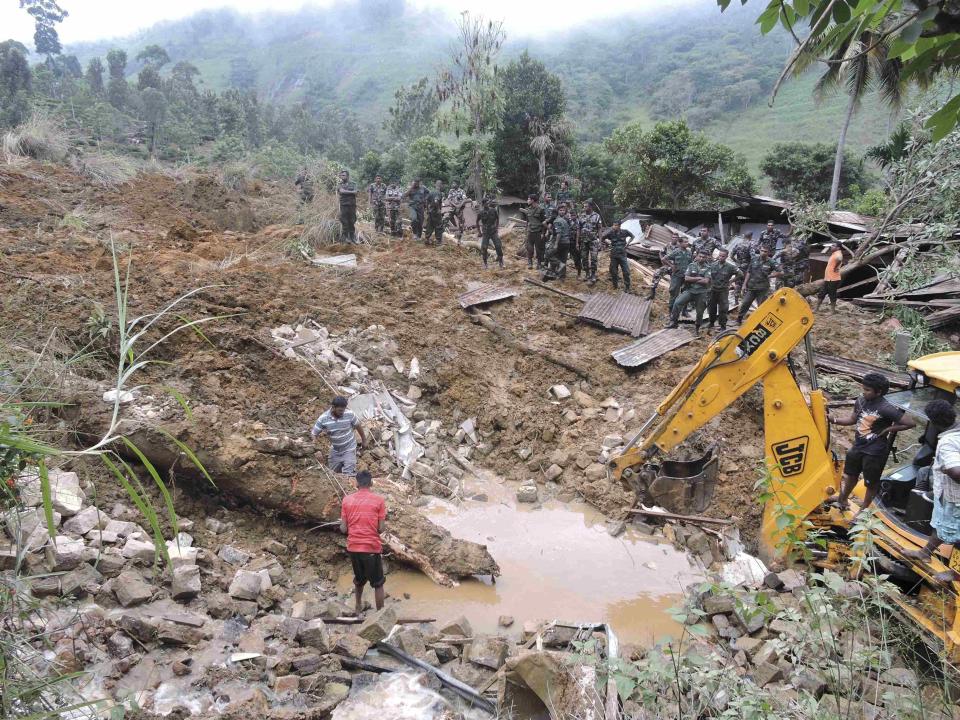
column 714, row 69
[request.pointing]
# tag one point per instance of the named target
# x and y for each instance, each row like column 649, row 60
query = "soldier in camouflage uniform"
column 677, row 260
column 574, row 221
column 535, row 219
column 664, row 268
column 557, row 247
column 618, row 238
column 393, row 196
column 770, row 239
column 696, row 289
column 756, row 284
column 347, row 194
column 416, row 197
column 376, row 194
column 435, row 215
column 305, row 183
column 722, row 273
column 488, row 220
column 794, row 262
column 705, row 242
column 456, row 198
column 564, row 195
column 589, row 224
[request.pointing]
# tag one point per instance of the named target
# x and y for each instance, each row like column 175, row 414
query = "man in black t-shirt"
column 875, row 419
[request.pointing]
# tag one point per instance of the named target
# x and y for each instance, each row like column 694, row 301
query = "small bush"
column 40, row 137
column 105, row 170
column 236, row 176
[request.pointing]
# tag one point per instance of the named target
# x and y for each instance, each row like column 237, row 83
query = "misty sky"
column 97, row 19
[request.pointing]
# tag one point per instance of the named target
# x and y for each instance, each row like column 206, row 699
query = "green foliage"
column 919, row 39
column 922, row 340
column 414, row 111
column 872, row 203
column 46, row 14
column 530, row 93
column 153, row 56
column 597, row 171
column 15, row 83
column 228, row 149
column 243, row 75
column 94, row 76
column 428, row 159
column 462, row 164
column 369, row 167
column 805, row 170
column 673, row 166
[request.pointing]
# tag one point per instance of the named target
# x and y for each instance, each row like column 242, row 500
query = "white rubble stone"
column 181, row 555
column 122, row 528
column 527, row 492
column 610, row 403
column 185, row 583
column 85, row 521
column 612, row 441
column 248, row 585
column 414, row 373
column 98, row 538
column 131, row 589
column 135, row 549
column 20, row 524
column 65, row 494
column 560, row 392
column 125, row 396
column 183, row 539
column 64, row 553
column 215, row 526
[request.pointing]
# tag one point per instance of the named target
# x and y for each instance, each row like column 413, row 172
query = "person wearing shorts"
column 362, row 518
column 831, row 277
column 875, row 419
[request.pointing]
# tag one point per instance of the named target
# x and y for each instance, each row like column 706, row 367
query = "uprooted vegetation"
column 242, row 391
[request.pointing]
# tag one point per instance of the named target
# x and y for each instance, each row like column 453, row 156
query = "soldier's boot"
column 500, row 262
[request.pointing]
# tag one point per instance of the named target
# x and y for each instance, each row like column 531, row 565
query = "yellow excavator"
column 804, row 471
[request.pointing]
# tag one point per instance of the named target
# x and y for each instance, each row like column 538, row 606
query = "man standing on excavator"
column 875, row 419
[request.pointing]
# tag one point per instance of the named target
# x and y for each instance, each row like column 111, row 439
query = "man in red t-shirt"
column 362, row 517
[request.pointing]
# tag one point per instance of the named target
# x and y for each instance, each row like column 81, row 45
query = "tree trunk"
column 838, row 160
column 542, row 171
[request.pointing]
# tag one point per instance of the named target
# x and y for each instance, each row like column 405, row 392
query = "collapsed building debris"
column 651, row 347
column 856, row 369
column 484, row 294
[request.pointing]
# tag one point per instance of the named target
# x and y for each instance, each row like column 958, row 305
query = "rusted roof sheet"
column 856, row 369
column 626, row 313
column 651, row 347
column 485, row 294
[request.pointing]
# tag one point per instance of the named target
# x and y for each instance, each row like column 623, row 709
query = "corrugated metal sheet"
column 856, row 369
column 626, row 313
column 485, row 294
column 651, row 347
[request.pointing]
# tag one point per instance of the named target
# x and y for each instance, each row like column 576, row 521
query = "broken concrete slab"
column 489, row 651
column 131, row 589
column 185, row 583
column 140, row 550
column 64, row 553
column 85, row 521
column 315, row 634
column 248, row 585
column 376, row 627
column 234, row 556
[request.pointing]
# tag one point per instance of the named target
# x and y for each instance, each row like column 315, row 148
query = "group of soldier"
column 703, row 274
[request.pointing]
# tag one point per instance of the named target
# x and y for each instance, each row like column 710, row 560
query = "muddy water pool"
column 558, row 562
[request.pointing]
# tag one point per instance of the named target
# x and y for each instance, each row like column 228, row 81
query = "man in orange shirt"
column 362, row 517
column 831, row 277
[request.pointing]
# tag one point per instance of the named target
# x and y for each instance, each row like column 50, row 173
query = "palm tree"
column 550, row 138
column 859, row 67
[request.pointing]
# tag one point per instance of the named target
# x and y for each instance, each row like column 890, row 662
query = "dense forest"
column 356, row 85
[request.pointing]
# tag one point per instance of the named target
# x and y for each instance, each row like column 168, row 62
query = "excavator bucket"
column 685, row 486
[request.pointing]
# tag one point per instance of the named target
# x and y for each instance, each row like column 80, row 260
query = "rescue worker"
column 305, row 183
column 456, row 199
column 588, row 225
column 341, row 425
column 564, row 195
column 664, row 268
column 677, row 260
column 557, row 247
column 574, row 221
column 393, row 198
column 723, row 277
column 488, row 220
column 376, row 194
column 771, row 238
column 435, row 215
column 831, row 277
column 347, row 195
column 416, row 196
column 742, row 253
column 793, row 262
column 756, row 283
column 617, row 238
column 696, row 289
column 535, row 220
column 705, row 242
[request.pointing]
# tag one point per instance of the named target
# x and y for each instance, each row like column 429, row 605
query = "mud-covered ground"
column 181, row 234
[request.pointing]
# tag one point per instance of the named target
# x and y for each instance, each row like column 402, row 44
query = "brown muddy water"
column 558, row 562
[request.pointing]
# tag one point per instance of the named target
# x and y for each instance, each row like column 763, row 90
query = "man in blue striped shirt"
column 339, row 424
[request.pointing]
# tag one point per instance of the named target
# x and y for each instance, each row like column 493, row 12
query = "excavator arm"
column 796, row 442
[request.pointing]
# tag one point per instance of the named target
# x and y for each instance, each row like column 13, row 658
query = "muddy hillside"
column 478, row 421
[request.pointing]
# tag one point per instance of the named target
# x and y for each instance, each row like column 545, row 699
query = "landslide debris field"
column 257, row 375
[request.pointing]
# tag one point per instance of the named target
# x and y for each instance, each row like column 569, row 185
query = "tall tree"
column 672, row 165
column 117, row 88
column 531, row 94
column 470, row 86
column 413, row 112
column 154, row 56
column 922, row 35
column 861, row 66
column 15, row 81
column 154, row 111
column 551, row 138
column 46, row 14
column 243, row 75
